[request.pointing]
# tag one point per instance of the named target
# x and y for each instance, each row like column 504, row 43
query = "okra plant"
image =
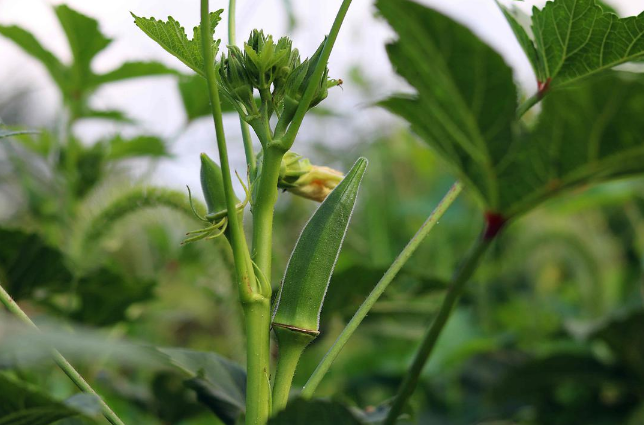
column 465, row 106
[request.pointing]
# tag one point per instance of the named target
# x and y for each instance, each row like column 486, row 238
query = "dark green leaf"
column 133, row 70
column 314, row 412
column 577, row 38
column 625, row 338
column 146, row 146
column 98, row 307
column 466, row 99
column 591, row 132
column 220, row 384
column 465, row 110
column 313, row 259
column 23, row 404
column 30, row 45
column 172, row 37
column 19, row 252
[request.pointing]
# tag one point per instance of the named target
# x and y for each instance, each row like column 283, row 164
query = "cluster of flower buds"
column 275, row 70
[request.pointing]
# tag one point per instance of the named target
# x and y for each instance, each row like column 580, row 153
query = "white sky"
column 155, row 102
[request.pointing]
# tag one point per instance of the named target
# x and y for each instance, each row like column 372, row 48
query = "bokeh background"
column 550, row 332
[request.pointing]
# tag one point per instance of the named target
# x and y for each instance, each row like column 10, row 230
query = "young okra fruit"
column 296, row 321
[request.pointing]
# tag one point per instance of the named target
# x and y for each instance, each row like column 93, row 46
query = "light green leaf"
column 172, row 37
column 313, row 259
column 466, row 101
column 148, row 146
column 30, row 45
column 24, row 404
column 577, row 38
column 133, row 70
column 196, row 100
column 85, row 41
column 314, row 412
column 111, row 115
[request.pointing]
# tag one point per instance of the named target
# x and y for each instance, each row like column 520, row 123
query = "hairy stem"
column 529, row 103
column 433, row 332
column 258, row 390
column 375, row 294
column 303, row 107
column 254, row 294
column 62, row 363
column 292, row 344
column 243, row 265
column 263, row 208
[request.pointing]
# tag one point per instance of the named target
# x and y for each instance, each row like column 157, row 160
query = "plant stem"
column 429, row 340
column 378, row 290
column 291, row 344
column 529, row 103
column 258, row 391
column 303, row 107
column 62, row 363
column 254, row 293
column 248, row 141
column 263, row 208
column 243, row 265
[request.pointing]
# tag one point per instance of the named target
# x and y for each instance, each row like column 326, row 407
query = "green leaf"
column 98, row 307
column 577, row 38
column 465, row 109
column 219, row 383
column 133, row 70
column 172, row 37
column 466, row 102
column 313, row 259
column 140, row 146
column 19, row 251
column 196, row 100
column 24, row 404
column 59, row 73
column 85, row 41
column 314, row 412
column 588, row 133
column 117, row 116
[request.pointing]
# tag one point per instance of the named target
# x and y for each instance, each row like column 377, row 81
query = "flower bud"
column 299, row 177
column 263, row 58
column 235, row 80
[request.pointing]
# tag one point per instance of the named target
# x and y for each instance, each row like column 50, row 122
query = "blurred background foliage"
column 550, row 332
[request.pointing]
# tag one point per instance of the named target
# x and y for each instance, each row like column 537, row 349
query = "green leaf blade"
column 313, row 259
column 172, row 37
column 466, row 99
column 129, row 70
column 27, row 42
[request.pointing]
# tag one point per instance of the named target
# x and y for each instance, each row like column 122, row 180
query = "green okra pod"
column 212, row 185
column 297, row 315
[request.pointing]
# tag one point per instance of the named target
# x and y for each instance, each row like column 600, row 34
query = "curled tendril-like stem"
column 192, row 206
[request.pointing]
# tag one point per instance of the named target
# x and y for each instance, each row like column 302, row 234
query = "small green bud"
column 263, row 58
column 212, row 185
column 235, row 80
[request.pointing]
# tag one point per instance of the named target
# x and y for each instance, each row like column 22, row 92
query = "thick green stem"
column 429, row 340
column 387, row 278
column 243, row 265
column 307, row 98
column 291, row 343
column 263, row 208
column 258, row 389
column 62, row 363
